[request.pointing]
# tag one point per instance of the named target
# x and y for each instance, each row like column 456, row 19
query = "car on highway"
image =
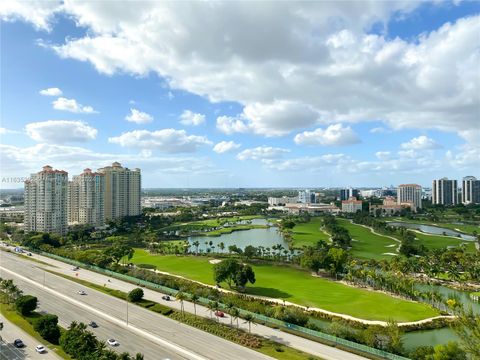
column 18, row 343
column 40, row 349
column 113, row 342
column 219, row 313
column 93, row 324
column 166, row 297
column 76, row 268
column 81, row 292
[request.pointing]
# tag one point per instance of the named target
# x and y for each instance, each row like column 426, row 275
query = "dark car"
column 166, row 297
column 93, row 324
column 18, row 343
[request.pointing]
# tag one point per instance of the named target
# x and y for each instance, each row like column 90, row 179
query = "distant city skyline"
column 321, row 97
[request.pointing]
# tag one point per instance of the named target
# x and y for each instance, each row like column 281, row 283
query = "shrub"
column 47, row 327
column 161, row 309
column 146, row 266
column 135, row 295
column 26, row 304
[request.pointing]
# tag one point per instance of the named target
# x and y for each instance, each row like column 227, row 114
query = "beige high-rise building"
column 86, row 196
column 410, row 194
column 122, row 191
column 46, row 195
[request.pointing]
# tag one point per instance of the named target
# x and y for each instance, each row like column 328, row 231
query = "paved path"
column 312, row 347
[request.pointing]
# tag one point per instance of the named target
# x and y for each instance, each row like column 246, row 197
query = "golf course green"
column 299, row 287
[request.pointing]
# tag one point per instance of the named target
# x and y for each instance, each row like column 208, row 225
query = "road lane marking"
column 160, row 341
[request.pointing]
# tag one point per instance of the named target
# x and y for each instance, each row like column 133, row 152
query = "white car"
column 81, row 292
column 113, row 342
column 40, row 349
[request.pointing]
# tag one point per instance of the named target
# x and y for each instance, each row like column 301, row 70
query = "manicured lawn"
column 366, row 244
column 299, row 287
column 440, row 242
column 308, row 234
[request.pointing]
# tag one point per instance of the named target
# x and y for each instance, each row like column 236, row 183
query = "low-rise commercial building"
column 352, row 205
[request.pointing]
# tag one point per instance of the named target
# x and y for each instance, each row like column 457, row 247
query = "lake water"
column 256, row 237
column 435, row 230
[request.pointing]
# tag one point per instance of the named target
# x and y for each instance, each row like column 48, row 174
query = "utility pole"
column 127, row 309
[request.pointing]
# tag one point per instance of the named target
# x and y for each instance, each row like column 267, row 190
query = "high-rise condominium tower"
column 445, row 192
column 46, row 201
column 122, row 191
column 410, row 193
column 86, row 194
column 470, row 190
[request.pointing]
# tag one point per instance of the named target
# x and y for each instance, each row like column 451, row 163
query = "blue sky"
column 242, row 94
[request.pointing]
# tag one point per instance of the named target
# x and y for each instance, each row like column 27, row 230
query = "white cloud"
column 165, row 140
column 139, row 117
column 190, row 118
column 320, row 55
column 333, row 135
column 421, row 143
column 60, row 131
column 51, row 92
column 22, row 161
column 225, row 146
column 269, row 119
column 308, row 163
column 72, row 106
column 37, row 12
column 262, row 153
column 170, row 95
column 383, row 155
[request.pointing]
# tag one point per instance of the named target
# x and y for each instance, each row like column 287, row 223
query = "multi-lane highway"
column 156, row 336
column 36, row 271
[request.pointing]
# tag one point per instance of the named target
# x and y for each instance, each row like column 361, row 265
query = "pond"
column 435, row 230
column 267, row 238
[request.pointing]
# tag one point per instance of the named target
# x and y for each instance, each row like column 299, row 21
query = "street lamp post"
column 127, row 310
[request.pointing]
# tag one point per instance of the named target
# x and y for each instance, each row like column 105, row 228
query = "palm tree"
column 249, row 319
column 235, row 313
column 229, row 308
column 221, row 246
column 139, row 356
column 212, row 307
column 181, row 296
column 196, row 244
column 194, row 299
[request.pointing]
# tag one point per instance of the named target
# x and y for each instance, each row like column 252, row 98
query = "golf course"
column 308, row 234
column 298, row 286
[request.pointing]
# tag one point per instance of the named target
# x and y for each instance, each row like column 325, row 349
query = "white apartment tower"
column 46, row 195
column 445, row 192
column 122, row 191
column 86, row 196
column 410, row 194
column 470, row 190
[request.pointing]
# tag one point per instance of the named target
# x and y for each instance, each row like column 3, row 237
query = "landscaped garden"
column 299, row 287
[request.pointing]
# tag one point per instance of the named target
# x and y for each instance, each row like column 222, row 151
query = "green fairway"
column 308, row 234
column 440, row 242
column 299, row 287
column 366, row 244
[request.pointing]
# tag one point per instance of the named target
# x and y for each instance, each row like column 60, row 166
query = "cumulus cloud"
column 421, row 143
column 333, row 135
column 305, row 58
column 72, row 105
column 51, row 92
column 165, row 140
column 383, row 155
column 60, row 131
column 308, row 163
column 225, row 146
column 190, row 118
column 139, row 117
column 262, row 153
column 270, row 119
column 37, row 12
